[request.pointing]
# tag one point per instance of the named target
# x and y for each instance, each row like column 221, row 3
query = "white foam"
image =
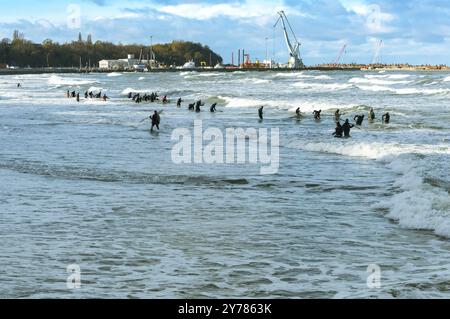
column 322, row 86
column 418, row 205
column 305, row 105
column 114, row 74
column 59, row 81
column 377, row 81
column 403, row 91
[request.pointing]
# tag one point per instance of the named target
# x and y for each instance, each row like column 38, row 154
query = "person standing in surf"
column 261, row 113
column 156, row 120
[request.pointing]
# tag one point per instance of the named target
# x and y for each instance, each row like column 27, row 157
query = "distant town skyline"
column 412, row 31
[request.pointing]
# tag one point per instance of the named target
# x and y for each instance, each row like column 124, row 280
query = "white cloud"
column 376, row 20
column 264, row 11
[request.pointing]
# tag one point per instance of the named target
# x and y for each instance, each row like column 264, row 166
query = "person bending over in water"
column 105, row 97
column 317, row 115
column 298, row 112
column 339, row 130
column 261, row 113
column 165, row 100
column 337, row 116
column 179, row 102
column 192, row 107
column 386, row 118
column 213, row 108
column 359, row 119
column 156, row 120
column 198, row 105
column 19, row 85
column 346, row 128
column 130, row 95
column 371, row 115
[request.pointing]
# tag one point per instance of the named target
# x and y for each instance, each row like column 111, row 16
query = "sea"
column 92, row 204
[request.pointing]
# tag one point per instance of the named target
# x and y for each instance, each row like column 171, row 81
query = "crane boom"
column 341, row 53
column 295, row 60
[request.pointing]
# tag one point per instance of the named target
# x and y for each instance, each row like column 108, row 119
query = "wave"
column 322, row 86
column 403, row 91
column 59, row 81
column 375, row 151
column 291, row 105
column 416, row 203
column 113, row 176
column 376, row 81
column 114, row 74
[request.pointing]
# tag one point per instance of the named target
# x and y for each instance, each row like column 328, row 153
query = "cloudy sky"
column 415, row 31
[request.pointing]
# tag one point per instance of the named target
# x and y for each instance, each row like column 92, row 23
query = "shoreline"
column 206, row 70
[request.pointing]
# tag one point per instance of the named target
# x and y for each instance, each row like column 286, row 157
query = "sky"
column 412, row 31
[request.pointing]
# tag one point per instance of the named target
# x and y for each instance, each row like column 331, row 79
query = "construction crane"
column 377, row 52
column 295, row 60
column 339, row 57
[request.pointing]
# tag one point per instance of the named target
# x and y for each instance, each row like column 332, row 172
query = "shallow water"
column 85, row 183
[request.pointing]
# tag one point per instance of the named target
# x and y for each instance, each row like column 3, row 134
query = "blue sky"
column 415, row 31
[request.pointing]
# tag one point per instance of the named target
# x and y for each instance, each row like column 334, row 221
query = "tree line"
column 24, row 53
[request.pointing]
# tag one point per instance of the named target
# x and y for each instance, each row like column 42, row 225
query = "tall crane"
column 295, row 61
column 377, row 52
column 341, row 53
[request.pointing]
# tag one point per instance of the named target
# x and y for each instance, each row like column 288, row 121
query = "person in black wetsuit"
column 339, row 130
column 359, row 119
column 317, row 115
column 346, row 128
column 386, row 118
column 371, row 115
column 298, row 112
column 78, row 97
column 198, row 106
column 156, row 120
column 213, row 108
column 74, row 94
column 261, row 113
column 86, row 94
column 179, row 102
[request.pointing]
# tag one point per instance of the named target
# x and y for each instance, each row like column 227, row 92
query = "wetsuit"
column 386, row 118
column 346, row 128
column 359, row 119
column 261, row 113
column 213, row 108
column 317, row 114
column 197, row 106
column 179, row 102
column 339, row 130
column 156, row 120
column 372, row 115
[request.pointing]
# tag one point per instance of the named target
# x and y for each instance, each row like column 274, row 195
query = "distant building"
column 126, row 64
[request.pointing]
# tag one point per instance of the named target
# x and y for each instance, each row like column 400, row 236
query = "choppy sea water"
column 88, row 184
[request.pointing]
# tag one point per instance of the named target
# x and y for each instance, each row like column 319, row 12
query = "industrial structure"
column 293, row 45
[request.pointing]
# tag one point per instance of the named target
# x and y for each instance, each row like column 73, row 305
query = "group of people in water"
column 87, row 95
column 344, row 130
column 341, row 131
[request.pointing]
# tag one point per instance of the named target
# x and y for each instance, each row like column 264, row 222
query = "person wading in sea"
column 156, row 120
